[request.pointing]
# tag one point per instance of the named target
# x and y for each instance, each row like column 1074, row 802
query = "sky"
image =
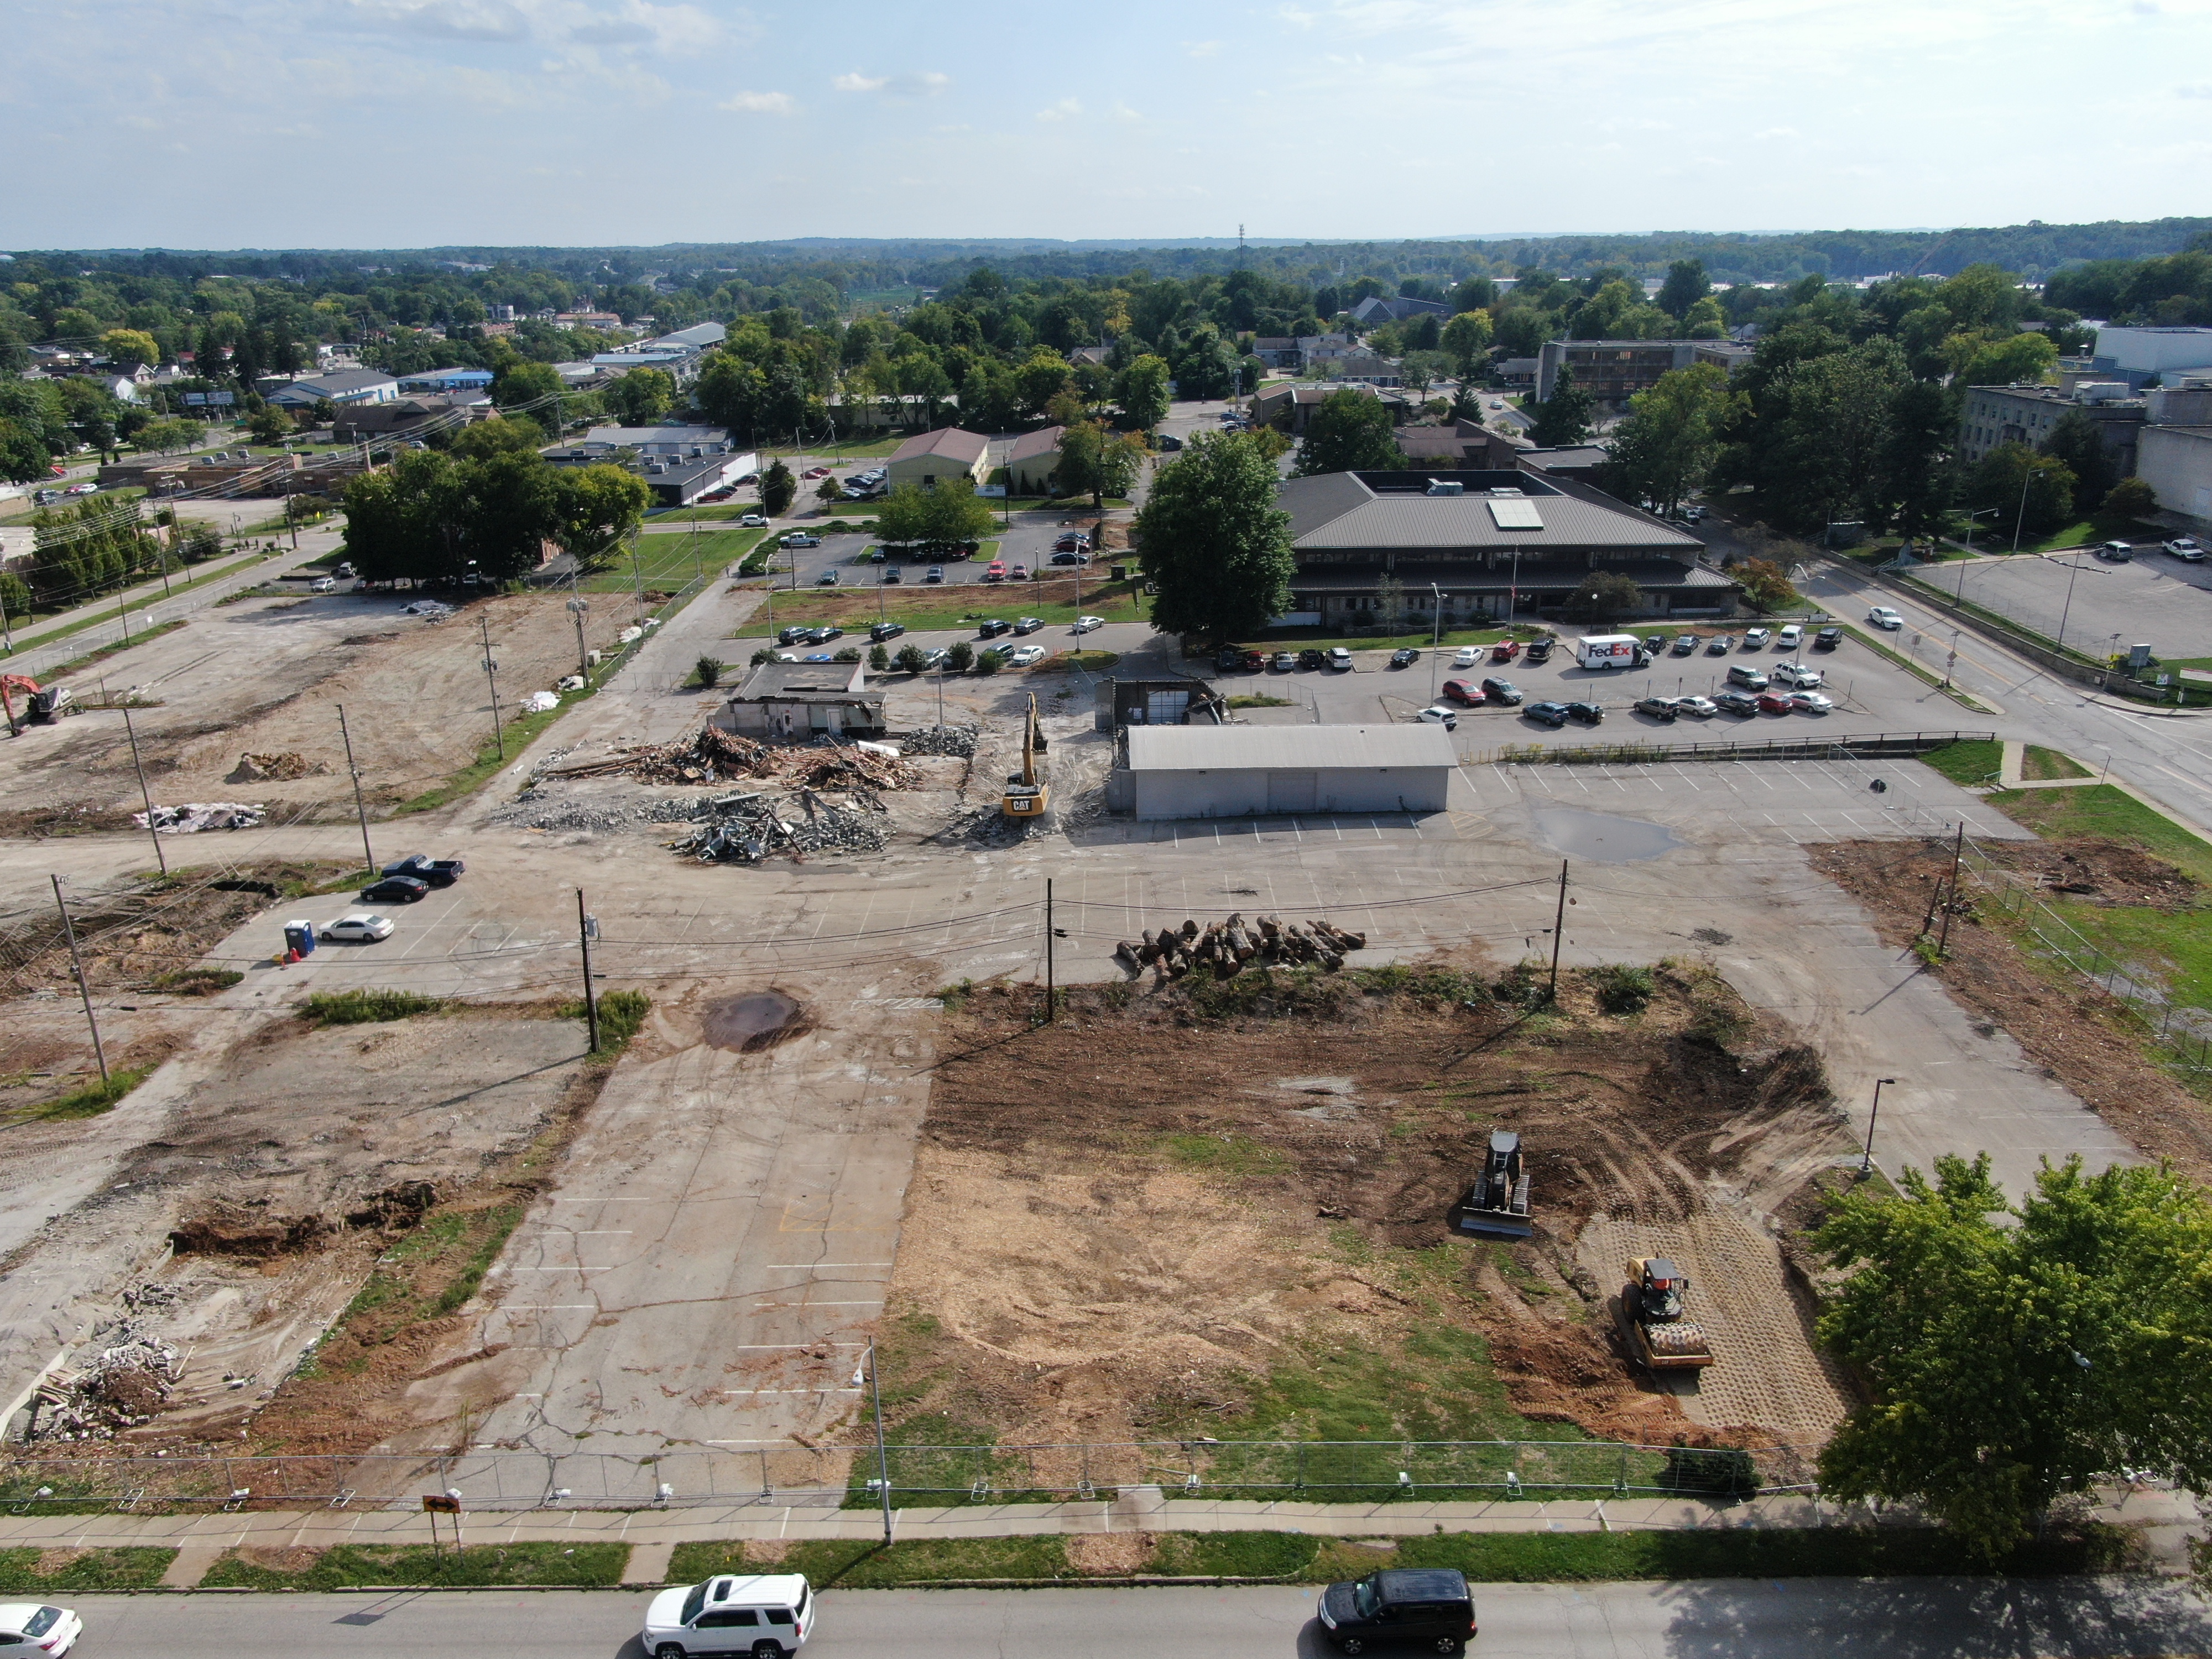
column 227, row 124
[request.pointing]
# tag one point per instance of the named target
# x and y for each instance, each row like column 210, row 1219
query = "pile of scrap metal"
column 1226, row 946
column 195, row 816
column 710, row 754
column 746, row 828
column 120, row 1388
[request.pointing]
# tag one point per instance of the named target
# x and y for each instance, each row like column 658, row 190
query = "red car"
column 1254, row 661
column 1505, row 651
column 1460, row 691
column 1775, row 703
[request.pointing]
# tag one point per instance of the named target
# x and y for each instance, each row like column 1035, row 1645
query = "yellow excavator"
column 1026, row 795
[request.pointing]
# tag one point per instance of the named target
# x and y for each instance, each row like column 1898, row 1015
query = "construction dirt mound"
column 1246, row 1169
column 258, row 768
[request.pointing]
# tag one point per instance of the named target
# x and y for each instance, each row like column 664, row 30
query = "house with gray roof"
column 1486, row 543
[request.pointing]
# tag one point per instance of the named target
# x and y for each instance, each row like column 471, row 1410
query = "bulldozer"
column 1497, row 1205
column 1026, row 795
column 1659, row 1338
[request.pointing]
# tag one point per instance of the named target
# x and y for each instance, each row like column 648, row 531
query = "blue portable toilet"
column 300, row 938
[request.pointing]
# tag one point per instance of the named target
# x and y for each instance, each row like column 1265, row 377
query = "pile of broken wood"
column 1225, row 946
column 711, row 755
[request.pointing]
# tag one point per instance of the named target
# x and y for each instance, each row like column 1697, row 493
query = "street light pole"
column 2026, row 478
column 1437, row 637
column 1866, row 1165
column 2072, row 570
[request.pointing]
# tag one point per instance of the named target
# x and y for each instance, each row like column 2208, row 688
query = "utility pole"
column 591, row 999
column 1558, row 930
column 1866, row 1164
column 2026, row 478
column 144, row 793
column 1047, row 951
column 883, row 1455
column 637, row 574
column 577, row 607
column 76, row 962
column 360, row 808
column 492, row 674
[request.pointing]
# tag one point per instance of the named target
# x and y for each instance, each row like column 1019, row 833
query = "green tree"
column 1097, row 462
column 910, row 659
column 595, row 508
column 828, row 492
column 1605, row 596
column 1684, row 286
column 520, row 383
column 1705, row 320
column 1984, row 360
column 642, row 398
column 953, row 515
column 777, row 489
column 170, row 432
column 2028, row 496
column 502, row 434
column 1213, row 539
column 1348, row 431
column 129, row 348
column 732, row 392
column 1918, row 478
column 1466, row 340
column 1765, row 585
column 959, row 657
column 2074, row 438
column 2130, row 498
column 1563, row 418
column 1672, row 435
column 1142, row 392
column 2013, row 1363
column 269, row 425
column 880, row 658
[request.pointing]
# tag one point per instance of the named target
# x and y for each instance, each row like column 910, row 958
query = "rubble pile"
column 955, row 740
column 746, row 828
column 261, row 769
column 1225, row 946
column 195, row 816
column 710, row 754
column 121, row 1387
column 530, row 812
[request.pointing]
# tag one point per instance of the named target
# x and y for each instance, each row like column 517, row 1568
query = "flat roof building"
column 1274, row 771
column 2024, row 414
column 347, row 385
column 1614, row 371
column 794, row 702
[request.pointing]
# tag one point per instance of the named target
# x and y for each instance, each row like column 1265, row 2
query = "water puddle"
column 759, row 1020
column 1603, row 836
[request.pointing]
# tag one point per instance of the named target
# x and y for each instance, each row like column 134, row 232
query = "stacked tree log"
column 1224, row 947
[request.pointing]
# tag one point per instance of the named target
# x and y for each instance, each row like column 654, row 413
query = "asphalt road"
column 1898, row 1619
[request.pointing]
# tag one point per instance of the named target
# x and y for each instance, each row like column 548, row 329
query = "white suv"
column 766, row 1615
column 1796, row 674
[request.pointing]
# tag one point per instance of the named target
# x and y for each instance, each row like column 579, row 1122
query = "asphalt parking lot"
column 2155, row 598
column 1027, row 541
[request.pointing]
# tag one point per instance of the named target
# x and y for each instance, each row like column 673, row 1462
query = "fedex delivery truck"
column 1608, row 650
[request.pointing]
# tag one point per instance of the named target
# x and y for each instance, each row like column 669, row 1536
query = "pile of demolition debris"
column 1226, row 946
column 121, row 1387
column 710, row 754
column 281, row 768
column 195, row 816
column 746, row 828
column 958, row 741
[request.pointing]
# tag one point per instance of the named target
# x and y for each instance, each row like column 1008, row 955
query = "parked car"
column 1882, row 616
column 1827, row 639
column 437, row 873
column 1404, row 657
column 1589, row 714
column 38, row 1630
column 1660, row 708
column 934, row 573
column 1686, row 645
column 395, row 889
column 1028, row 624
column 1541, row 650
column 1811, row 703
column 1167, row 442
column 750, row 1613
column 1468, row 656
column 1019, row 573
column 1796, row 674
column 892, row 577
column 322, row 585
column 361, row 928
column 1505, row 651
column 1730, row 700
column 1460, row 691
column 752, row 522
column 1755, row 638
column 1084, row 624
column 823, row 633
column 1503, row 691
column 1655, row 645
column 800, row 538
column 1775, row 703
column 886, row 630
column 2186, row 547
column 1229, row 661
column 1313, row 657
column 934, row 657
column 1283, row 662
column 792, row 634
column 1339, row 658
column 993, row 627
column 1718, row 645
column 819, row 656
column 1429, row 1607
column 1703, row 708
column 2116, row 552
column 1254, row 661
column 1437, row 714
column 1789, row 637
column 827, row 578
column 1553, row 714
column 1743, row 674
column 1070, row 541
column 995, row 571
column 1070, row 558
column 1023, row 656
column 343, row 572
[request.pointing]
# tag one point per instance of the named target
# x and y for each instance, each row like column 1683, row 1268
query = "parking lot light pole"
column 2072, row 570
column 1866, row 1164
column 1436, row 636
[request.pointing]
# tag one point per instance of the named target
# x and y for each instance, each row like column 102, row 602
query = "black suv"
column 1538, row 650
column 1313, row 658
column 886, row 630
column 1827, row 639
column 1428, row 1606
column 991, row 629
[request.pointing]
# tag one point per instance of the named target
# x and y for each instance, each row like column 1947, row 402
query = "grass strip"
column 2041, row 765
column 366, row 1007
column 852, row 1563
column 517, row 734
column 196, row 981
column 1970, row 762
column 143, row 602
column 87, row 1571
column 2100, row 808
column 621, row 1015
column 92, row 1100
column 592, row 1566
column 77, row 663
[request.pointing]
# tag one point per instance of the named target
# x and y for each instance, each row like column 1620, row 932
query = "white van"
column 1608, row 650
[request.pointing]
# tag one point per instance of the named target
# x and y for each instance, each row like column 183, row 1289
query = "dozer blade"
column 1490, row 1224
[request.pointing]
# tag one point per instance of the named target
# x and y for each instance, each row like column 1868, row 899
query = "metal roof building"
column 1264, row 771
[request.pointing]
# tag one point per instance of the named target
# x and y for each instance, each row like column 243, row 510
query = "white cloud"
column 1201, row 48
column 760, row 103
column 924, row 83
column 1066, row 110
column 452, row 20
column 1771, row 133
column 1123, row 112
column 861, row 82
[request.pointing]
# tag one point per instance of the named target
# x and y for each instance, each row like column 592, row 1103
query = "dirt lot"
column 279, row 1184
column 1234, row 1211
column 265, row 677
column 2075, row 1033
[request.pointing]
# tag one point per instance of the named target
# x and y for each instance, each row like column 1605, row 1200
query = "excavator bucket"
column 1497, row 1205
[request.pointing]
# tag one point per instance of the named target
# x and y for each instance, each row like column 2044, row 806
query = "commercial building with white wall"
column 1273, row 771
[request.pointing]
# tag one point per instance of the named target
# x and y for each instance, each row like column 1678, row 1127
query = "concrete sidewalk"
column 653, row 1535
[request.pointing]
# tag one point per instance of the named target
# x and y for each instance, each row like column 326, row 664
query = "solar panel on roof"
column 1511, row 514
